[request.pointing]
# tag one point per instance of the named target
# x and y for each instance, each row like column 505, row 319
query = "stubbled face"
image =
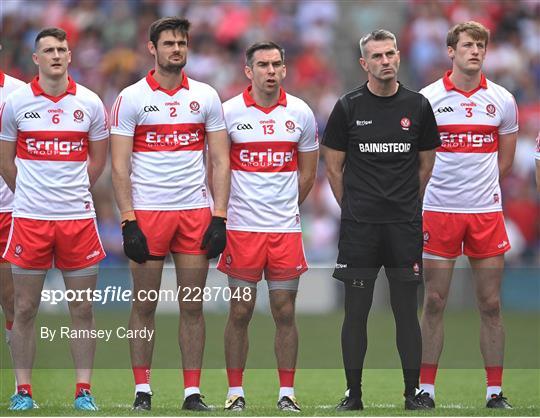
column 267, row 72
column 381, row 61
column 52, row 57
column 171, row 51
column 469, row 54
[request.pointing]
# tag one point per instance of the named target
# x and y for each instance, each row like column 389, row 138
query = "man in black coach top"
column 379, row 147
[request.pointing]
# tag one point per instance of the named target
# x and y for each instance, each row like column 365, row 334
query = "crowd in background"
column 108, row 41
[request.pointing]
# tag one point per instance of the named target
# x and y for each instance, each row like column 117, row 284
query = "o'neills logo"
column 458, row 140
column 51, row 147
column 154, row 139
column 266, row 158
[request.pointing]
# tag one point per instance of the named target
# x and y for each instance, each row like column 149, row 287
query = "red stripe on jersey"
column 264, row 157
column 173, row 137
column 52, row 145
column 480, row 139
column 115, row 110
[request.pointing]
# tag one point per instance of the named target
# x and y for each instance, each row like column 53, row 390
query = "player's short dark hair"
column 168, row 23
column 475, row 30
column 376, row 35
column 258, row 46
column 57, row 33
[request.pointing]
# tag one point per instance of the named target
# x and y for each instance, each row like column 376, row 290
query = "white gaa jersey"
column 265, row 143
column 7, row 86
column 465, row 177
column 168, row 129
column 52, row 135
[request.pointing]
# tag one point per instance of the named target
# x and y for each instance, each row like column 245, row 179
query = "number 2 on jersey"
column 172, row 113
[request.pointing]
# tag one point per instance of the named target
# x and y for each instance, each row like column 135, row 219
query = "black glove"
column 215, row 237
column 135, row 246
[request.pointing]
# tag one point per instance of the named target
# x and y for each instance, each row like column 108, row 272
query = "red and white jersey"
column 168, row 129
column 465, row 177
column 7, row 85
column 265, row 143
column 52, row 135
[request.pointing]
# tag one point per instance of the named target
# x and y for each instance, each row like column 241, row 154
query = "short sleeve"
column 124, row 116
column 99, row 128
column 335, row 135
column 8, row 122
column 429, row 133
column 214, row 119
column 509, row 122
column 309, row 140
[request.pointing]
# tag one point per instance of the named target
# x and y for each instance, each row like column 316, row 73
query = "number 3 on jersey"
column 468, row 112
column 268, row 129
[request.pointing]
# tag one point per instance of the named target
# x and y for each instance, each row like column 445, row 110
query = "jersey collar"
column 250, row 101
column 2, row 78
column 38, row 91
column 154, row 85
column 448, row 85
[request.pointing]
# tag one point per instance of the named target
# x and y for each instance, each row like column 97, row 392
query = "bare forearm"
column 9, row 174
column 336, row 184
column 220, row 187
column 94, row 172
column 122, row 191
column 504, row 169
column 305, row 183
column 424, row 175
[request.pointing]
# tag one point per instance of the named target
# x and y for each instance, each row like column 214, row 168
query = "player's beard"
column 171, row 68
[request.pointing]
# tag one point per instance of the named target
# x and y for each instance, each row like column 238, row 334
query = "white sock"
column 235, row 391
column 191, row 390
column 143, row 387
column 492, row 390
column 429, row 389
column 285, row 391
